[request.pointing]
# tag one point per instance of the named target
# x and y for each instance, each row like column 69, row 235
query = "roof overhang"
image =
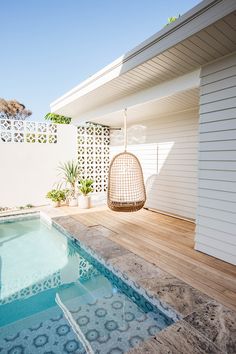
column 179, row 94
column 203, row 34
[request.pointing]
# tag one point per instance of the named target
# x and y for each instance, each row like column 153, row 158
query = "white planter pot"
column 84, row 201
column 55, row 204
column 73, row 202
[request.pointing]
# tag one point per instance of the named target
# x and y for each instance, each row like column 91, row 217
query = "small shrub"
column 56, row 195
column 29, row 206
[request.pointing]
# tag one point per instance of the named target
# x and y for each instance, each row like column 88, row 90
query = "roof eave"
column 196, row 19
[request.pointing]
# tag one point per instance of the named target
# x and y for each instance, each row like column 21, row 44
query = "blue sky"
column 49, row 46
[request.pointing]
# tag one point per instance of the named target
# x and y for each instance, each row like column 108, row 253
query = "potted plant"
column 85, row 187
column 56, row 196
column 70, row 175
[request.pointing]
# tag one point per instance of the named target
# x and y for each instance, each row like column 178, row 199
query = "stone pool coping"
column 202, row 325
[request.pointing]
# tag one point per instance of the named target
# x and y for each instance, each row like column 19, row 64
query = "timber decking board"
column 169, row 243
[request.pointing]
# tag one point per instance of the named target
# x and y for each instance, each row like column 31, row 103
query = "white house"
column 179, row 87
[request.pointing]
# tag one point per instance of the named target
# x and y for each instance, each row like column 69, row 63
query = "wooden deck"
column 168, row 242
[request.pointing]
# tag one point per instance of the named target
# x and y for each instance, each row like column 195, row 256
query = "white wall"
column 216, row 219
column 167, row 148
column 29, row 170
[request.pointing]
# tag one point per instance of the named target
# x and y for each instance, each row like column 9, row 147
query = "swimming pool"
column 56, row 298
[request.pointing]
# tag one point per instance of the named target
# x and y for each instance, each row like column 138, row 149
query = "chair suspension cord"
column 125, row 129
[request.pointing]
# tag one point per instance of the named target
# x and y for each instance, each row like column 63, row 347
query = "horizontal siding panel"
column 227, row 247
column 218, row 65
column 165, row 146
column 160, row 199
column 171, row 120
column 217, row 165
column 217, row 185
column 218, row 105
column 176, row 139
column 175, row 189
column 176, row 195
column 218, row 126
column 172, row 135
column 217, row 155
column 184, row 167
column 229, row 113
column 168, row 208
column 219, row 85
column 176, row 174
column 214, row 136
column 218, row 235
column 227, row 257
column 218, row 145
column 177, row 126
column 218, row 95
column 217, row 204
column 152, row 177
column 173, row 156
column 219, row 75
column 217, row 214
column 218, row 175
column 174, row 185
column 219, row 225
column 217, row 195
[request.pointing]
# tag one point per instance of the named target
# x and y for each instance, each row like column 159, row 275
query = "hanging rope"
column 125, row 129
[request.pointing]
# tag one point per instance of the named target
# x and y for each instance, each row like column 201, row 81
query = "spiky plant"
column 85, row 186
column 70, row 175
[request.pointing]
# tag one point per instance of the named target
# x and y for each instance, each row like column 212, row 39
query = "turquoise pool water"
column 56, row 298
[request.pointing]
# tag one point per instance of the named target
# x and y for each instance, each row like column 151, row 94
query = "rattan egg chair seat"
column 126, row 189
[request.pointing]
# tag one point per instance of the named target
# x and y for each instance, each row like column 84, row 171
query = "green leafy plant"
column 70, row 175
column 56, row 195
column 172, row 19
column 57, row 118
column 29, row 206
column 85, row 186
column 4, row 209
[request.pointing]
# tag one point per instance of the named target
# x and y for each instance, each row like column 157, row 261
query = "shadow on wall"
column 157, row 152
column 136, row 135
column 168, row 158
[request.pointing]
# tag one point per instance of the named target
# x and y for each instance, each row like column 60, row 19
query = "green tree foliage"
column 12, row 109
column 57, row 118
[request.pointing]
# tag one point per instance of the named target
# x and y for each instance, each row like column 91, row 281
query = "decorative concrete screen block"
column 30, row 126
column 93, row 154
column 19, row 131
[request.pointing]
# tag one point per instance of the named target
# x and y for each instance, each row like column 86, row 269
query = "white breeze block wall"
column 29, row 170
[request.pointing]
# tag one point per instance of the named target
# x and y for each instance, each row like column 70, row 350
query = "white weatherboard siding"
column 167, row 149
column 216, row 219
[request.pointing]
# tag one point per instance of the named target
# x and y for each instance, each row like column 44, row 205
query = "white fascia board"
column 199, row 17
column 166, row 89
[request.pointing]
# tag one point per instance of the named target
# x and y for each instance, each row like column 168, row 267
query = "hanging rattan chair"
column 126, row 189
